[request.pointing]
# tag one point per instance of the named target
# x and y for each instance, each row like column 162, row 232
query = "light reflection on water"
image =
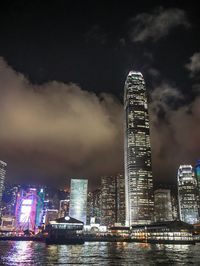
column 97, row 253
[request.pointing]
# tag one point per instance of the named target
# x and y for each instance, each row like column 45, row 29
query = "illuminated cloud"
column 194, row 65
column 157, row 24
column 174, row 132
column 53, row 131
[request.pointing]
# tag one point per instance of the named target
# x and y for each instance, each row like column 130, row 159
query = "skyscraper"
column 108, row 200
column 187, row 194
column 197, row 173
column 138, row 171
column 2, row 179
column 163, row 205
column 112, row 200
column 120, row 199
column 78, row 199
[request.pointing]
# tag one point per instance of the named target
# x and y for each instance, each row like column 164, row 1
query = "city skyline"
column 62, row 80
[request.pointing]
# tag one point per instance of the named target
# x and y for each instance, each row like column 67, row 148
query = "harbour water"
column 97, row 253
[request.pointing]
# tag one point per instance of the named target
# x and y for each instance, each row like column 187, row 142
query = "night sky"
column 63, row 65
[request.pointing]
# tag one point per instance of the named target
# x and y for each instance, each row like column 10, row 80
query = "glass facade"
column 2, row 179
column 112, row 200
column 163, row 205
column 138, row 171
column 108, row 200
column 197, row 173
column 78, row 199
column 187, row 194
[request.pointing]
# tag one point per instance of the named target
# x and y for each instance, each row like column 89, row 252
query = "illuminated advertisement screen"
column 25, row 210
column 27, row 202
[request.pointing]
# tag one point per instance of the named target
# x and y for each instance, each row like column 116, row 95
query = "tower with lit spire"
column 137, row 150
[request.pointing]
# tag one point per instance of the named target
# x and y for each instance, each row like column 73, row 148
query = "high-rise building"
column 112, row 200
column 78, row 199
column 108, row 200
column 174, row 201
column 97, row 205
column 29, row 211
column 163, row 205
column 94, row 207
column 90, row 207
column 2, row 180
column 137, row 149
column 197, row 173
column 120, row 199
column 9, row 199
column 187, row 194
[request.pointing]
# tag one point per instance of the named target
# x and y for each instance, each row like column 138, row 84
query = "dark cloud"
column 55, row 131
column 175, row 135
column 96, row 34
column 157, row 24
column 194, row 65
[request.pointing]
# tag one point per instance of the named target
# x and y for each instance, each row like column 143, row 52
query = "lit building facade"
column 187, row 194
column 120, row 199
column 64, row 208
column 29, row 210
column 97, row 206
column 197, row 173
column 9, row 199
column 78, row 199
column 3, row 166
column 108, row 200
column 112, row 200
column 90, row 207
column 174, row 200
column 163, row 205
column 137, row 150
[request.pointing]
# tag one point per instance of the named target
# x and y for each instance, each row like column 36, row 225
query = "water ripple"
column 97, row 253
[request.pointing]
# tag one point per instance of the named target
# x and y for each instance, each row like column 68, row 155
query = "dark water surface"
column 97, row 253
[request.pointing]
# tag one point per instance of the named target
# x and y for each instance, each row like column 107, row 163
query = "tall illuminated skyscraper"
column 187, row 194
column 2, row 179
column 197, row 173
column 138, row 171
column 78, row 199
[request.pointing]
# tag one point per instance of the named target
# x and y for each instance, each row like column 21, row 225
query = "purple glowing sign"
column 25, row 210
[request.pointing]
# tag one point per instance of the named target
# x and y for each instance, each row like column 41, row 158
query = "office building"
column 78, row 199
column 9, row 199
column 3, row 166
column 197, row 173
column 187, row 194
column 137, row 150
column 163, row 205
column 112, row 200
column 108, row 200
column 97, row 206
column 120, row 199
